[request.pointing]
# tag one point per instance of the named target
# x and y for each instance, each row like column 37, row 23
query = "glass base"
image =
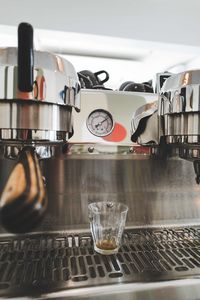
column 106, row 252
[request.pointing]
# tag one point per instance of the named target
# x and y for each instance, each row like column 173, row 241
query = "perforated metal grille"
column 56, row 261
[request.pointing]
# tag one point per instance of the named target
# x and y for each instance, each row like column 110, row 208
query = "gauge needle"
column 100, row 123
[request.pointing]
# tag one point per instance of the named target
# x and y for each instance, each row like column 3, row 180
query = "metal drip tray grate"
column 51, row 262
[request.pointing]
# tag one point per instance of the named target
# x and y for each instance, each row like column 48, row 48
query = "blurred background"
column 130, row 39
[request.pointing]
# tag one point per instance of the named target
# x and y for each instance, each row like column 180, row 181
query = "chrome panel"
column 158, row 192
column 177, row 121
column 179, row 106
column 183, row 127
column 142, row 112
column 120, row 104
column 44, row 150
column 187, row 289
column 19, row 114
column 55, row 79
column 28, row 136
column 180, row 93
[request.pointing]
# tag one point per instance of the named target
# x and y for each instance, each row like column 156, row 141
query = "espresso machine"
column 124, row 146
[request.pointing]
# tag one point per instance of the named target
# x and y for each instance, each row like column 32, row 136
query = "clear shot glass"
column 107, row 223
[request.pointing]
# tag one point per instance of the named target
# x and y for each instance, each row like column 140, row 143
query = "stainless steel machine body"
column 160, row 244
column 174, row 120
column 160, row 253
column 45, row 112
column 179, row 105
column 177, row 109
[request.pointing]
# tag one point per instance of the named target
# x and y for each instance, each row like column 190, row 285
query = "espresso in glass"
column 107, row 222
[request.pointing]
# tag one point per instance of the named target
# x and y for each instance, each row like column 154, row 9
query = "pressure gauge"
column 100, row 122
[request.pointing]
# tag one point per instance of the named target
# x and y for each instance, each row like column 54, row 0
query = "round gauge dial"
column 100, row 122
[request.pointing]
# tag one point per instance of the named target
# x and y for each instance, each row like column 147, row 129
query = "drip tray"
column 41, row 263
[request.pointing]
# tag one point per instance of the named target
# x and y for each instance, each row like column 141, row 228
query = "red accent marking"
column 117, row 135
column 141, row 149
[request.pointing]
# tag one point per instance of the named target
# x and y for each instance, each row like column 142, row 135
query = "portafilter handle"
column 24, row 200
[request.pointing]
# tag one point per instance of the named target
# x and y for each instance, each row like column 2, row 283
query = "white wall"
column 131, row 39
column 171, row 21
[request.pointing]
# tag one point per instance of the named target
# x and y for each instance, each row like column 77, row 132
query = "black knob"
column 25, row 57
